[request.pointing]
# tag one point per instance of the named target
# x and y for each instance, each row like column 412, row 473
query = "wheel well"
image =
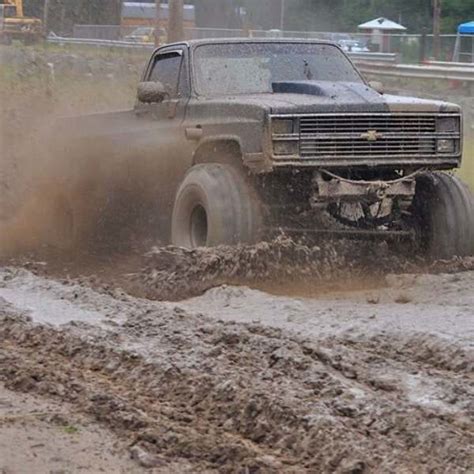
column 219, row 151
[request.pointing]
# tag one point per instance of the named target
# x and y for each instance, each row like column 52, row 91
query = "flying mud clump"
column 176, row 273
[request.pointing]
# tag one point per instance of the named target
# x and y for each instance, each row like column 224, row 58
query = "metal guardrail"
column 464, row 74
column 99, row 42
column 382, row 64
column 448, row 64
column 374, row 57
column 356, row 56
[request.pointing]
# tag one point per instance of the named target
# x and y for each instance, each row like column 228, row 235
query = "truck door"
column 162, row 151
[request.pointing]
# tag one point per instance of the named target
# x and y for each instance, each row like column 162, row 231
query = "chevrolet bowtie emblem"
column 371, row 135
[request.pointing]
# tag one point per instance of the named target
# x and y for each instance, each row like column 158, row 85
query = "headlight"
column 446, row 146
column 285, row 147
column 448, row 124
column 282, row 126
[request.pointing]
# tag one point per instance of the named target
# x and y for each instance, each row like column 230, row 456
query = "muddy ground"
column 279, row 357
column 240, row 380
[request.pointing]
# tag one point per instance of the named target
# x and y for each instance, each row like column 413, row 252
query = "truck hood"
column 332, row 97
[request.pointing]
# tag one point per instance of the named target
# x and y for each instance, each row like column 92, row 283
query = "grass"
column 467, row 169
column 70, row 429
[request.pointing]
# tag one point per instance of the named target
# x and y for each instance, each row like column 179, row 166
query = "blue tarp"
column 466, row 28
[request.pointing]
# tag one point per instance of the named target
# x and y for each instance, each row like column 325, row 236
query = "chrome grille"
column 383, row 123
column 352, row 146
column 348, row 136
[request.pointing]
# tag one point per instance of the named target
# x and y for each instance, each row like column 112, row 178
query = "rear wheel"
column 443, row 214
column 215, row 206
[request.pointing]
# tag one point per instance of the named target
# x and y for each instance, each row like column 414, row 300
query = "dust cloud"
column 48, row 190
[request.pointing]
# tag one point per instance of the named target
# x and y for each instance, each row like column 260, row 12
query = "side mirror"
column 377, row 86
column 151, row 92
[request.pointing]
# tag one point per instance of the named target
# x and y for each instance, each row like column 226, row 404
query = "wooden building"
column 144, row 14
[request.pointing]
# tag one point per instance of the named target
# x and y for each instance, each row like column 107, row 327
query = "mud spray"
column 67, row 202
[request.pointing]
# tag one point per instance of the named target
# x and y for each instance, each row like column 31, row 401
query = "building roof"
column 381, row 24
column 466, row 28
column 147, row 11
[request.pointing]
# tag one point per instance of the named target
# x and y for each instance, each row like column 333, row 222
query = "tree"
column 217, row 14
column 64, row 14
column 456, row 12
column 175, row 24
column 315, row 15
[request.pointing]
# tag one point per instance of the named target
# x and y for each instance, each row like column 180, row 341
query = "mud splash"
column 281, row 266
column 175, row 273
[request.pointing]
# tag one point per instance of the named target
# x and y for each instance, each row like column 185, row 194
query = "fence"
column 102, row 32
column 409, row 48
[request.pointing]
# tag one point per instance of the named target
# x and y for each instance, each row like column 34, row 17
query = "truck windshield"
column 250, row 68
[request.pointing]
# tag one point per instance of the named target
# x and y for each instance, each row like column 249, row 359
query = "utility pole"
column 46, row 16
column 157, row 22
column 282, row 15
column 175, row 21
column 436, row 28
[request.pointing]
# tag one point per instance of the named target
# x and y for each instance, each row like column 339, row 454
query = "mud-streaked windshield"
column 250, row 68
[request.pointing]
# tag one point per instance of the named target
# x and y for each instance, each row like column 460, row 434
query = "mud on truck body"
column 239, row 139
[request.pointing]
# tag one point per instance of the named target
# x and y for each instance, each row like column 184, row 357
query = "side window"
column 167, row 70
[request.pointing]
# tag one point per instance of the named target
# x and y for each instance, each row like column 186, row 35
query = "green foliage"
column 456, row 12
column 345, row 15
column 316, row 15
column 64, row 14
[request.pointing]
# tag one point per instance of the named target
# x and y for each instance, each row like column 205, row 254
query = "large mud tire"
column 215, row 206
column 443, row 211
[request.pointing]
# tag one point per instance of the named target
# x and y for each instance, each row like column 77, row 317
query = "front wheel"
column 443, row 214
column 215, row 206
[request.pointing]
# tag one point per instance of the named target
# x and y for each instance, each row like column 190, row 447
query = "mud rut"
column 198, row 395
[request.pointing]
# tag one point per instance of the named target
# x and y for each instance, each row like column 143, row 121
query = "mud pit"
column 238, row 380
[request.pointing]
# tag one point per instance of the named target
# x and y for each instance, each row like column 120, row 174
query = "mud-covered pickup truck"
column 233, row 140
